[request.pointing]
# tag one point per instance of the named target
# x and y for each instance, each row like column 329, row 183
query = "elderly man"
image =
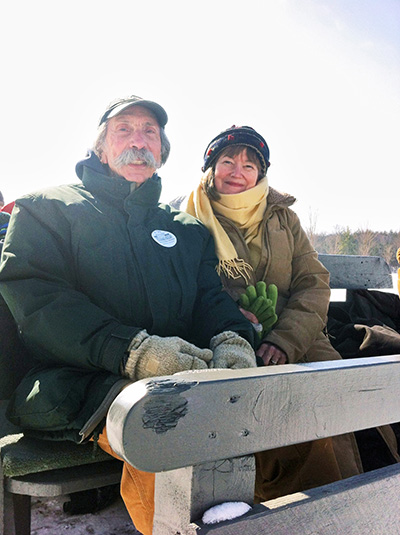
column 107, row 286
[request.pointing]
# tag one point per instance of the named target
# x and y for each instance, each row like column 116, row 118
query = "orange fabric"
column 398, row 280
column 137, row 491
column 398, row 271
column 295, row 468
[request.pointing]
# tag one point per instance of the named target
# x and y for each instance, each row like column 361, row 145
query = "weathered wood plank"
column 210, row 419
column 354, row 272
column 360, row 505
column 183, row 495
column 197, row 417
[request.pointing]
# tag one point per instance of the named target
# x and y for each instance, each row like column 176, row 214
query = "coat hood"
column 278, row 198
column 91, row 161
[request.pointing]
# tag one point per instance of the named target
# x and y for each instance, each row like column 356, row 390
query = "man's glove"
column 150, row 356
column 262, row 303
column 231, row 351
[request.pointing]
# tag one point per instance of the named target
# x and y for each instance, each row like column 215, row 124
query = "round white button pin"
column 164, row 238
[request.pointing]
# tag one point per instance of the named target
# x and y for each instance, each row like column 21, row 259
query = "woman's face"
column 234, row 174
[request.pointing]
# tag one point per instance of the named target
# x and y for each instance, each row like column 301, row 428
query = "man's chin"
column 137, row 173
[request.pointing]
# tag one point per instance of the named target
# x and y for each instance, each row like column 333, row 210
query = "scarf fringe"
column 235, row 268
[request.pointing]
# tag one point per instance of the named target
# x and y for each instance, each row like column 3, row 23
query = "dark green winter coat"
column 82, row 272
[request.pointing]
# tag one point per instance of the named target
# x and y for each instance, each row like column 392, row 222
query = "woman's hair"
column 208, row 178
column 101, row 137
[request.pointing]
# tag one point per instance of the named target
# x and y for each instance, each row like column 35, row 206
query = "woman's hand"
column 271, row 354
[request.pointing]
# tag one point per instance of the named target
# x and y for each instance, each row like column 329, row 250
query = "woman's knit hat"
column 237, row 135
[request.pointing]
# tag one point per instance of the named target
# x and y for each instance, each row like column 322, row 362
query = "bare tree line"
column 362, row 242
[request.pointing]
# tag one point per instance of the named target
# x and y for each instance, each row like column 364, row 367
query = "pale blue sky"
column 320, row 80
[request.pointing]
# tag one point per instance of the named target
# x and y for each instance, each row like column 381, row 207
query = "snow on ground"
column 48, row 518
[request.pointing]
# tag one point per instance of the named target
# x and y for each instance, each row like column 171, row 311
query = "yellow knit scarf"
column 245, row 210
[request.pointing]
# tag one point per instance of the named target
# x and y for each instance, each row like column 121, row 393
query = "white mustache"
column 133, row 155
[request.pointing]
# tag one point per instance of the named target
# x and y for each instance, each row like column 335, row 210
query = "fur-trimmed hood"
column 279, row 198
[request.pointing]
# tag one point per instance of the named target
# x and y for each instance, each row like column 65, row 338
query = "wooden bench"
column 200, row 430
column 354, row 272
column 32, row 467
column 39, row 468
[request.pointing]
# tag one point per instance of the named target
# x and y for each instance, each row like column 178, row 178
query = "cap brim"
column 159, row 112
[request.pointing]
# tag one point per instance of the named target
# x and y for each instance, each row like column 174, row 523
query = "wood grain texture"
column 362, row 505
column 183, row 495
column 198, row 429
column 357, row 272
column 230, row 413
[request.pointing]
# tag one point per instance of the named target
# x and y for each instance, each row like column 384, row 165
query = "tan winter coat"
column 288, row 260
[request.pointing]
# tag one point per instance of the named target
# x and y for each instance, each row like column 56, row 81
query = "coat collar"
column 96, row 179
column 280, row 199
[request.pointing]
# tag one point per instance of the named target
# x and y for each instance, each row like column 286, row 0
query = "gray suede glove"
column 231, row 351
column 151, row 355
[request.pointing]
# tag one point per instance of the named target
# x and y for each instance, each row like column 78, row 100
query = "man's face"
column 134, row 128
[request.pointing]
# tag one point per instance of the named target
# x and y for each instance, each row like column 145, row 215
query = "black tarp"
column 367, row 324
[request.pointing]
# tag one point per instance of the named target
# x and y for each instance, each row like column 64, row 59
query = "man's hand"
column 153, row 355
column 231, row 351
column 271, row 355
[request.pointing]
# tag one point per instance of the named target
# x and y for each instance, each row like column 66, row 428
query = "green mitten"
column 270, row 318
column 247, row 299
column 262, row 303
column 273, row 294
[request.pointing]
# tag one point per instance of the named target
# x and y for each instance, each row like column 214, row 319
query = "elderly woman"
column 259, row 238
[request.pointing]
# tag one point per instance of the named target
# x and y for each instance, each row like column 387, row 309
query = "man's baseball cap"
column 118, row 105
